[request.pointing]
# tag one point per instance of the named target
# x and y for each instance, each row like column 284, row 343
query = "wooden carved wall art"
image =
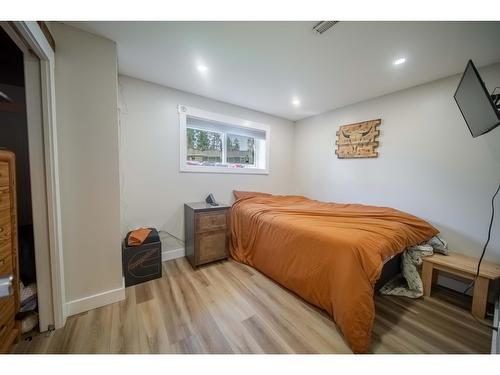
column 359, row 140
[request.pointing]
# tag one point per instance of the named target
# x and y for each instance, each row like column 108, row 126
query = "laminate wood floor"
column 227, row 307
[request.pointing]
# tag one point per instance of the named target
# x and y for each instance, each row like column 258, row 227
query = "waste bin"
column 143, row 262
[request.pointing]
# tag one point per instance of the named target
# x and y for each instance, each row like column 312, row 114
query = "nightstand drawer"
column 209, row 221
column 212, row 246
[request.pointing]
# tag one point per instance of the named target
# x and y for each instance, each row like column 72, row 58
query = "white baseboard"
column 172, row 254
column 78, row 306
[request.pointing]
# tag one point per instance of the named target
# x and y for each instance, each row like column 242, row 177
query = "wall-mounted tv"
column 479, row 110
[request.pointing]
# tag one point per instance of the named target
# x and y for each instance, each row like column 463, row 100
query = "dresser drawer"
column 5, row 226
column 7, row 313
column 4, row 173
column 6, row 329
column 6, row 266
column 5, row 249
column 211, row 246
column 209, row 221
column 7, row 309
column 4, row 198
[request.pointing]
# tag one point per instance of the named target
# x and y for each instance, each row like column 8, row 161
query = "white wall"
column 153, row 189
column 87, row 125
column 428, row 164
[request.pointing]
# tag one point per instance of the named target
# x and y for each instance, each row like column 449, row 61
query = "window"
column 216, row 143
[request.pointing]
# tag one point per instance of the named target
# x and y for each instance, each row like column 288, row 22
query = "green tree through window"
column 204, row 145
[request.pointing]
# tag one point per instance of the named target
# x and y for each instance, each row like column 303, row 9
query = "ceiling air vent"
column 323, row 26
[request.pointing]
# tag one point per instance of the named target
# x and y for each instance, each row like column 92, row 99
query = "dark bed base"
column 391, row 269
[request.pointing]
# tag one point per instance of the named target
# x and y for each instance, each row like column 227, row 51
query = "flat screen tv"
column 477, row 106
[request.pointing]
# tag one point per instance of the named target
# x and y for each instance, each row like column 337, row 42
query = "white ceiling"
column 264, row 65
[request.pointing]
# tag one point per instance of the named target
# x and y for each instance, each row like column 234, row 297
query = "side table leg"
column 427, row 277
column 480, row 297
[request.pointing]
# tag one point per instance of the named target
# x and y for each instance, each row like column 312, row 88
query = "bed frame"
column 391, row 268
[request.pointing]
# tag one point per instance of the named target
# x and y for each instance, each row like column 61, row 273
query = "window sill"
column 195, row 169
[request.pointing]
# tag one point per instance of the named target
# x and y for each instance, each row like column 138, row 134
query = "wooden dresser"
column 9, row 328
column 206, row 230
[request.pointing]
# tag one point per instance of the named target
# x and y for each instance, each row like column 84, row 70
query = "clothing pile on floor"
column 28, row 311
column 409, row 283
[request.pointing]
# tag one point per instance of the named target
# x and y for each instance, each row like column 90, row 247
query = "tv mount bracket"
column 495, row 98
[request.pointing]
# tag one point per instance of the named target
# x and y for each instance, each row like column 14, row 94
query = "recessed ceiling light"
column 202, row 68
column 296, row 102
column 399, row 61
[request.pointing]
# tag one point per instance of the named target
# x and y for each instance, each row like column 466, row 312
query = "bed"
column 329, row 254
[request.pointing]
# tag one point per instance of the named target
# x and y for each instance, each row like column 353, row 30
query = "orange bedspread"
column 329, row 254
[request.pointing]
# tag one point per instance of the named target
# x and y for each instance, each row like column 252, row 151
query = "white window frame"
column 186, row 111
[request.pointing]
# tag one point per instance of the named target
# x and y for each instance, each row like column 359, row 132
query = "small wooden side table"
column 466, row 267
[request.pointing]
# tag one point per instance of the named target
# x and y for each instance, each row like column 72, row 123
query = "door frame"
column 30, row 38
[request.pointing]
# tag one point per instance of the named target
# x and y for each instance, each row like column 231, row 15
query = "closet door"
column 9, row 268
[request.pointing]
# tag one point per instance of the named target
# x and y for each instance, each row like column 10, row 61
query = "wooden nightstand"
column 206, row 230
